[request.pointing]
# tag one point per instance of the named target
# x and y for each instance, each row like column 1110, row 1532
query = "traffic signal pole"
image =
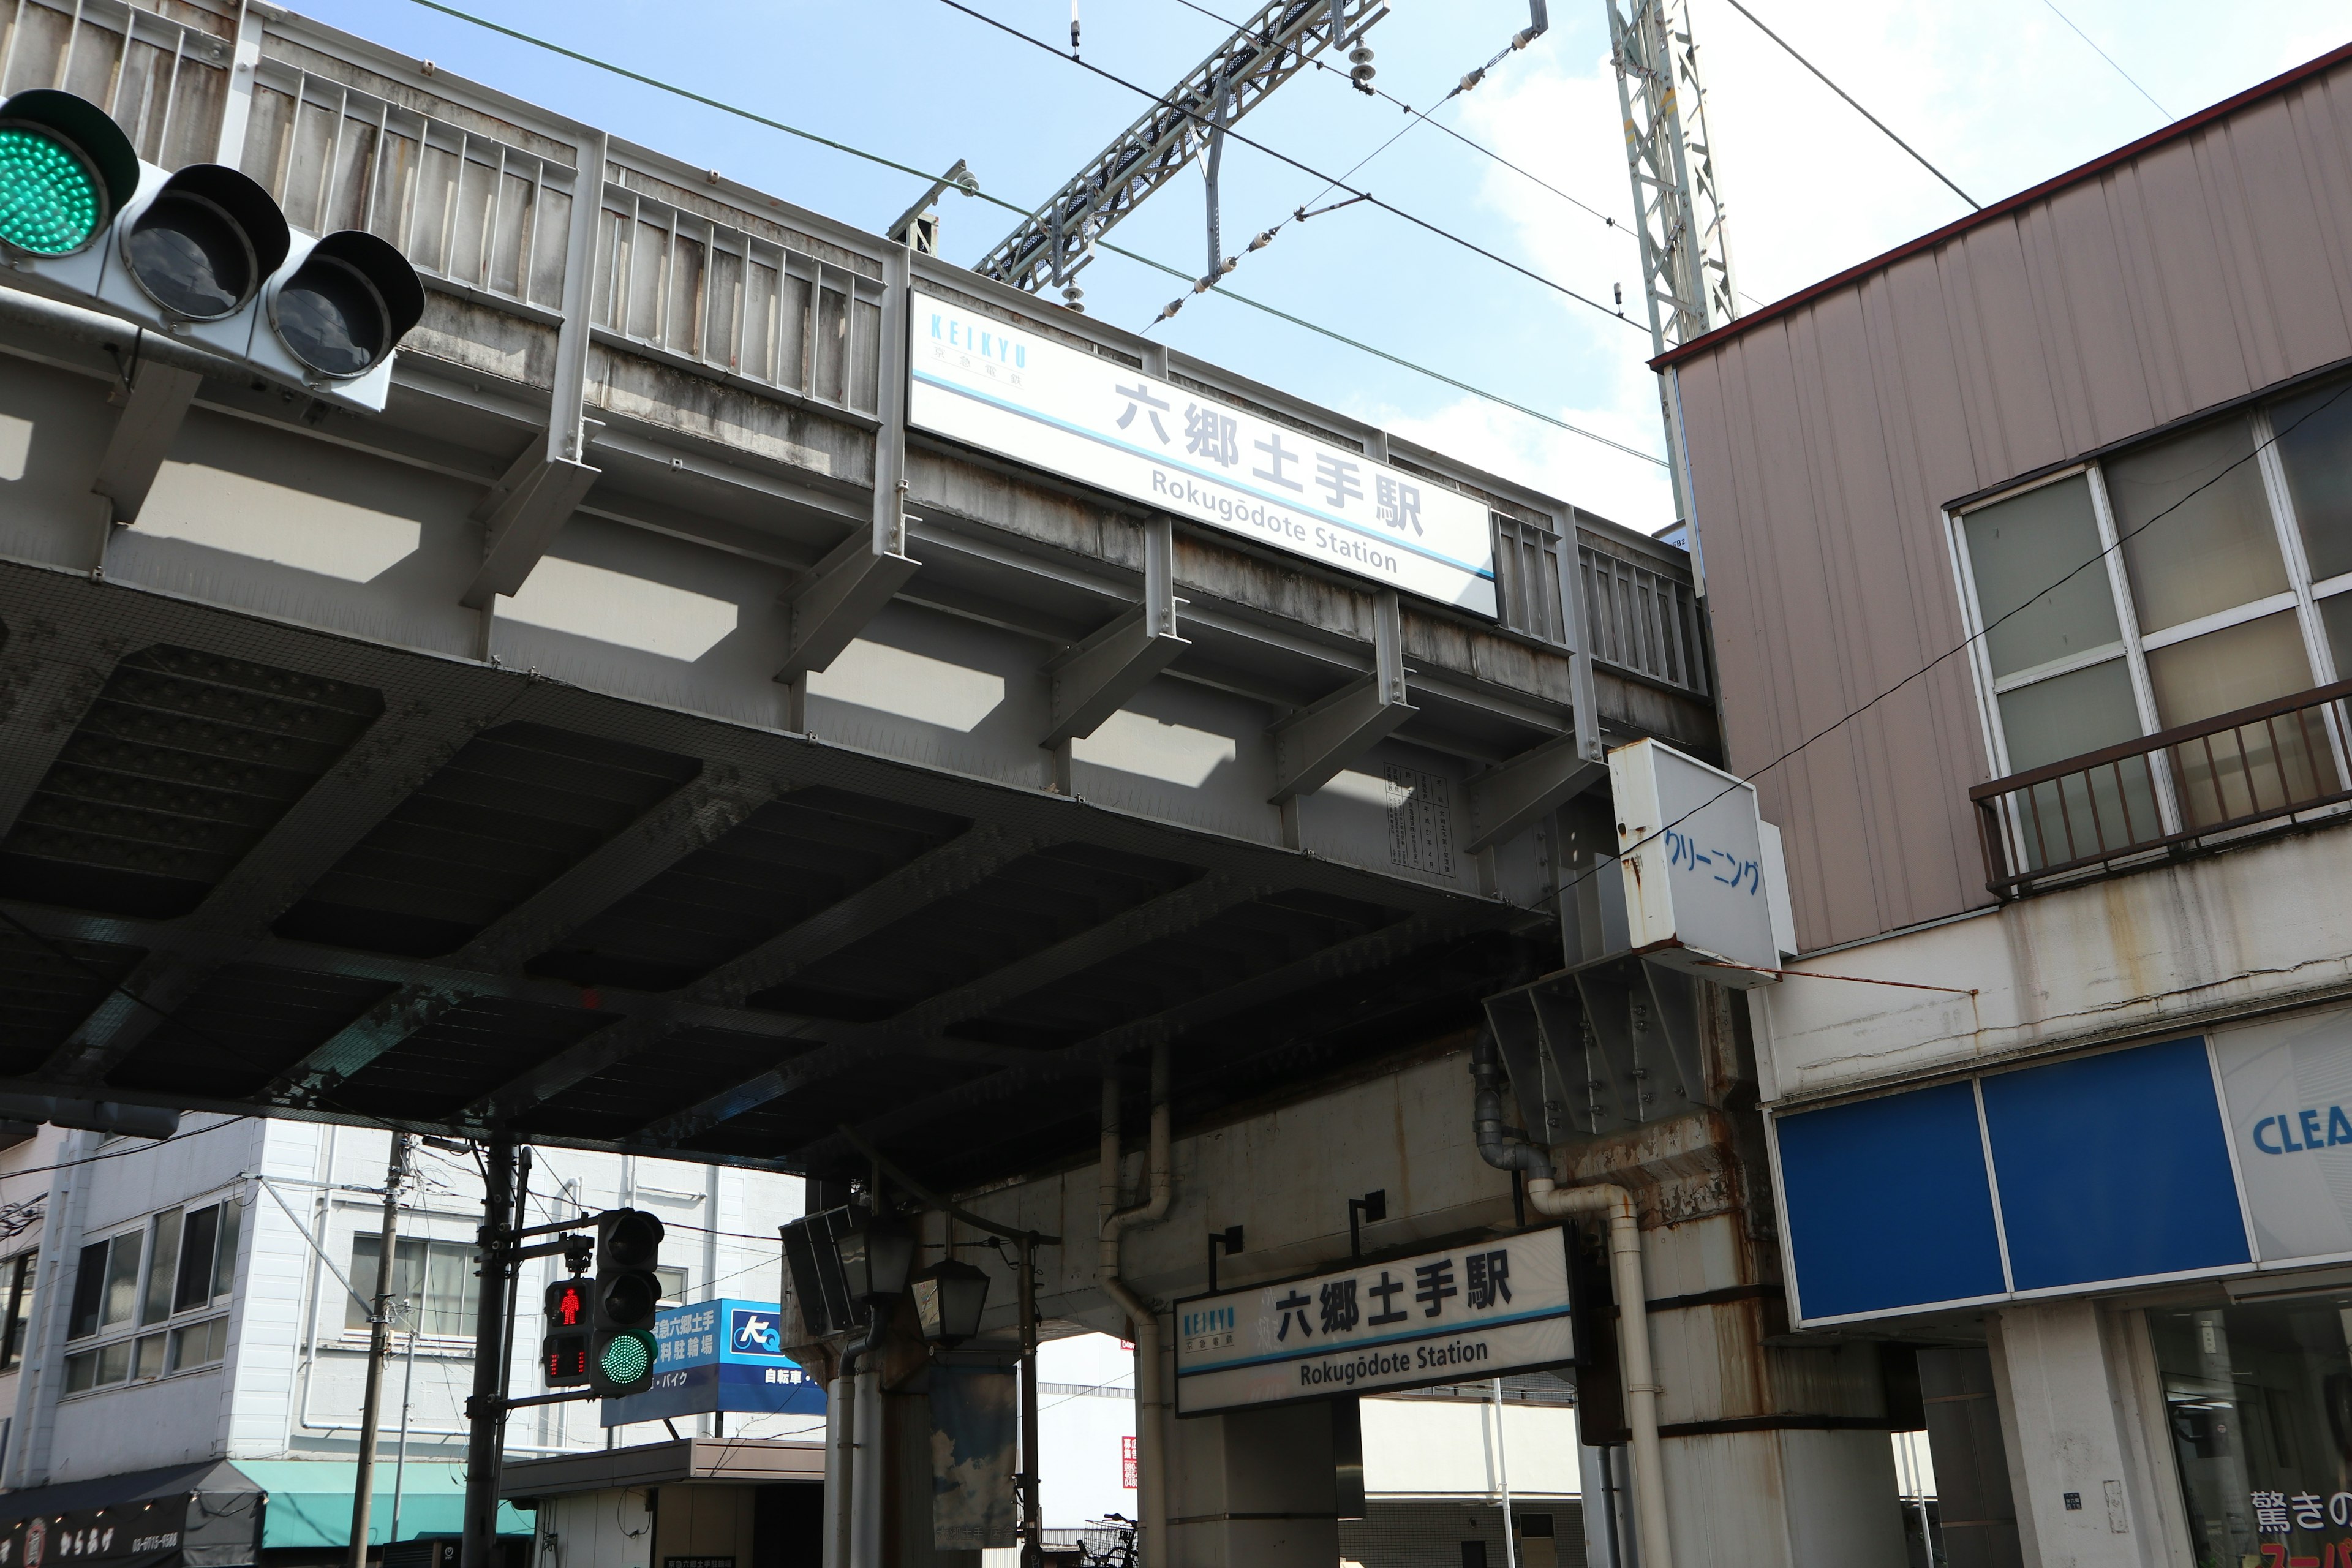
column 486, row 1411
column 379, row 1345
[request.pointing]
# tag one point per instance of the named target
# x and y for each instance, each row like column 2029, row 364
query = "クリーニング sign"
column 1480, row 1311
column 1014, row 393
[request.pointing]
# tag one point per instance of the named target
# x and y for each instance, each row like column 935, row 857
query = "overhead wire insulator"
column 1359, row 68
column 1171, row 308
column 1262, row 240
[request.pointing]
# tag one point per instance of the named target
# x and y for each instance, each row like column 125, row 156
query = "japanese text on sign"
column 1483, row 1310
column 1093, row 419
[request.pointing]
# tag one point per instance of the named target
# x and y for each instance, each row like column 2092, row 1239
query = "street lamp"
column 949, row 1297
column 876, row 1255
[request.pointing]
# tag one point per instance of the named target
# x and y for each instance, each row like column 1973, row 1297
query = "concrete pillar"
column 1776, row 1457
column 1253, row 1489
column 2074, row 1425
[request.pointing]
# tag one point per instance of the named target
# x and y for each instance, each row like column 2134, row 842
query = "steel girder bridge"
column 635, row 738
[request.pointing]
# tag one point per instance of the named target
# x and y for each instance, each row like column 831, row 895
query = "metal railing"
column 1642, row 620
column 2166, row 793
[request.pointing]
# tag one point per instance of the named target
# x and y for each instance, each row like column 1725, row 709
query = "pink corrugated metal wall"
column 1823, row 441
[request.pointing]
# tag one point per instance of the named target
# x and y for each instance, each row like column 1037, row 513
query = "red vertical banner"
column 1127, row 1463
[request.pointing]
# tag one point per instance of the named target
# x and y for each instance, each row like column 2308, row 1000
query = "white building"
column 192, row 1300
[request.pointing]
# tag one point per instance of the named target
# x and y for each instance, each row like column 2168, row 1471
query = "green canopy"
column 310, row 1502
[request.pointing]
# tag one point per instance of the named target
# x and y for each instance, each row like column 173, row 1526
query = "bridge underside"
column 247, row 866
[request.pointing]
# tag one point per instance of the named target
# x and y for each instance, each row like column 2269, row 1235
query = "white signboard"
column 1692, row 855
column 1473, row 1311
column 1094, row 420
column 2287, row 1087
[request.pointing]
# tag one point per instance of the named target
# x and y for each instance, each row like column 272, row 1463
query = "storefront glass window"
column 2258, row 1399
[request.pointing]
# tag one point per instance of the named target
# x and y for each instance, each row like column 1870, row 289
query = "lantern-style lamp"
column 876, row 1255
column 949, row 1297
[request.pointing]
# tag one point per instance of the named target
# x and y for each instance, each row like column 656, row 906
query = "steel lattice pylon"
column 1685, row 255
column 1272, row 46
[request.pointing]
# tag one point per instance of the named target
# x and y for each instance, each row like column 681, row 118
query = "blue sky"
column 2000, row 94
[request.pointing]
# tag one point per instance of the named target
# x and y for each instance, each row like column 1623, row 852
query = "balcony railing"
column 2168, row 793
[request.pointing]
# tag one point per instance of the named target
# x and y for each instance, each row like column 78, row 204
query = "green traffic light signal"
column 50, row 204
column 626, row 1358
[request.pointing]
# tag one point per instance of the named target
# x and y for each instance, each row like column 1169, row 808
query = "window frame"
column 419, row 1309
column 110, row 1355
column 2302, row 596
column 22, row 1270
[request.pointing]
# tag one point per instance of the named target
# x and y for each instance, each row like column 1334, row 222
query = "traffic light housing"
column 563, row 1348
column 621, row 1348
column 202, row 255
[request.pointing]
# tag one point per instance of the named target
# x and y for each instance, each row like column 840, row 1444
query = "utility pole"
column 1032, row 1524
column 379, row 1345
column 485, row 1412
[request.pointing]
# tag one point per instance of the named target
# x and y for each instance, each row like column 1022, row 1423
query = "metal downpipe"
column 1506, row 1152
column 1150, row 1402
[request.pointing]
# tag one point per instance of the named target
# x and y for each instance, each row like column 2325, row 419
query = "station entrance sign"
column 1484, row 1309
column 1013, row 392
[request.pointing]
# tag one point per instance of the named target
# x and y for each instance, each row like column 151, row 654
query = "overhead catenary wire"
column 1482, row 393
column 1389, row 207
column 1916, row 155
column 2102, row 54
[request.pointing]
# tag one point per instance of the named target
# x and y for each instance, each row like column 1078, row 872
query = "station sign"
column 1013, row 392
column 725, row 1355
column 1488, row 1308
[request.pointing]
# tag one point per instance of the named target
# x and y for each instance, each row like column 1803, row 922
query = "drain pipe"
column 1509, row 1151
column 1143, row 1324
column 853, row 1431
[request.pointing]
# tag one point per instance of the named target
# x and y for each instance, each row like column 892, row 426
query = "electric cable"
column 1295, row 321
column 1965, row 643
column 2102, row 54
column 1857, row 108
column 1445, row 234
column 144, row 1145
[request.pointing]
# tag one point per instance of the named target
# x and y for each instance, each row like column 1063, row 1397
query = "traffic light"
column 628, row 1294
column 204, row 255
column 563, row 1351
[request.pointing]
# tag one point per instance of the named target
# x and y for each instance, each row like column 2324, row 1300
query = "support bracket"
column 533, row 503
column 1094, row 680
column 152, row 412
column 831, row 606
column 1313, row 746
column 1509, row 797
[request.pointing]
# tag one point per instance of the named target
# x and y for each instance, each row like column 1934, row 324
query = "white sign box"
column 1483, row 1309
column 1025, row 396
column 2288, row 1085
column 1691, row 848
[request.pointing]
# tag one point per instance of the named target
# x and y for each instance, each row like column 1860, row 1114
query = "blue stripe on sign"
column 1888, row 1204
column 2113, row 1167
column 1149, row 455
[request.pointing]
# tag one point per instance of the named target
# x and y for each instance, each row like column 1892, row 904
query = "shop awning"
column 201, row 1515
column 310, row 1502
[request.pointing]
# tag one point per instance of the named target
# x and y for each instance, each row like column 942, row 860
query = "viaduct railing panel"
column 2166, row 793
column 164, row 80
column 464, row 207
column 1528, row 579
column 1642, row 619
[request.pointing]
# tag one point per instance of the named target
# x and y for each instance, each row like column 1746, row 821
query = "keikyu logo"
column 2301, row 1131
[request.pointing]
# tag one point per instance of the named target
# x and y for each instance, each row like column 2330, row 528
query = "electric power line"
column 2108, row 57
column 1857, row 108
column 1259, row 305
column 1445, row 234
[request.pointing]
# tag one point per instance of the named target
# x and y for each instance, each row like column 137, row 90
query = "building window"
column 17, row 1276
column 2189, row 577
column 2257, row 1398
column 181, row 1263
column 673, row 1284
column 436, row 1279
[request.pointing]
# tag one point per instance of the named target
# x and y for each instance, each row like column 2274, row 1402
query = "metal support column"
column 484, row 1414
column 1033, row 1523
